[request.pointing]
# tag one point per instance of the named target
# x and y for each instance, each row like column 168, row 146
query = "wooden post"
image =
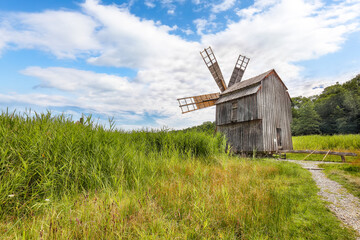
column 342, row 158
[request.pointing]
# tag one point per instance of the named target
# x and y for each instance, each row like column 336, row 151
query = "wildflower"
column 12, row 195
column 47, row 200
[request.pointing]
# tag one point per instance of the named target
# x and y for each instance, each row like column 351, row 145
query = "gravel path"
column 345, row 205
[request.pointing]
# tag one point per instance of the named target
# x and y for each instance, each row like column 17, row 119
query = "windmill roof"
column 251, row 81
column 240, row 93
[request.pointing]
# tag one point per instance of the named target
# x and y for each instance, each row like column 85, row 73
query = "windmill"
column 254, row 114
column 189, row 104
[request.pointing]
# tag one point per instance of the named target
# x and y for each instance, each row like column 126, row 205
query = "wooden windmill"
column 189, row 104
column 254, row 114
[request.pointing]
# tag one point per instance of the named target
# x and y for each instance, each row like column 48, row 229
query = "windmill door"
column 278, row 138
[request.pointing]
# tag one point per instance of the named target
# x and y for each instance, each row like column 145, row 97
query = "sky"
column 130, row 60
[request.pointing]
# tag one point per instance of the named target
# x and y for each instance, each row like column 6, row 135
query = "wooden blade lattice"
column 189, row 104
column 211, row 62
column 239, row 70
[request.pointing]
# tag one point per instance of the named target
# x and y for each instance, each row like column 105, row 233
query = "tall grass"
column 46, row 157
column 193, row 200
column 61, row 180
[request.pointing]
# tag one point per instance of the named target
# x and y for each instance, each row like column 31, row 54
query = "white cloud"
column 223, row 6
column 187, row 31
column 205, row 26
column 279, row 35
column 35, row 99
column 273, row 34
column 102, row 92
column 149, row 3
column 63, row 33
column 137, row 44
column 200, row 24
column 74, row 80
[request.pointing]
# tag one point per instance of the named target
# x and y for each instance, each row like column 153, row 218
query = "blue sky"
column 132, row 59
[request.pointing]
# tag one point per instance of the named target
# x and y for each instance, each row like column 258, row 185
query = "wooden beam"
column 319, row 152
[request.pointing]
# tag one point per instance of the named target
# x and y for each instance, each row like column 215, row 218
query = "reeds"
column 46, row 157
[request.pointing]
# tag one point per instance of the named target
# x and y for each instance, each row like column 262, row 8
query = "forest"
column 334, row 111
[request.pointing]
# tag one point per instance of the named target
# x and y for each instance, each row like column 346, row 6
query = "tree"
column 308, row 121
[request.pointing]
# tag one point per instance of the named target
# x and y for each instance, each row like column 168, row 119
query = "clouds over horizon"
column 274, row 34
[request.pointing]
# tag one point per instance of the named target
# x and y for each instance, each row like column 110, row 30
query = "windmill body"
column 254, row 114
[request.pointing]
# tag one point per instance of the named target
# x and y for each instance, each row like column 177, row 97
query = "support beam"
column 341, row 154
column 319, row 152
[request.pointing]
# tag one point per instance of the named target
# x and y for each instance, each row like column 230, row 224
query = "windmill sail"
column 239, row 70
column 189, row 104
column 211, row 62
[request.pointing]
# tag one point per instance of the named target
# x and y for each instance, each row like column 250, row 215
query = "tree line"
column 335, row 111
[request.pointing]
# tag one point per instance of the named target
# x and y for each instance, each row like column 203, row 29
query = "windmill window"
column 234, row 107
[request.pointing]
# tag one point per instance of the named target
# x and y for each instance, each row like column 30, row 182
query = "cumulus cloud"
column 137, row 44
column 274, row 34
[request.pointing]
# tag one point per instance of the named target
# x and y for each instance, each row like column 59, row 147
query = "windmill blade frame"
column 190, row 104
column 210, row 60
column 239, row 69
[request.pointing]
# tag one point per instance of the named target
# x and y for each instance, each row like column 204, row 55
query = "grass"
column 347, row 175
column 61, row 180
column 340, row 143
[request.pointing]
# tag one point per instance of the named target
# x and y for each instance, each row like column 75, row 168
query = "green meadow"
column 340, row 143
column 61, row 180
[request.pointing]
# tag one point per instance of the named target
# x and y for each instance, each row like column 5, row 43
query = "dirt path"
column 345, row 205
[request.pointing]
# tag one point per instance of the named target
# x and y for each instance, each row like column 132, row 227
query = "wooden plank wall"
column 244, row 136
column 245, row 133
column 247, row 110
column 275, row 111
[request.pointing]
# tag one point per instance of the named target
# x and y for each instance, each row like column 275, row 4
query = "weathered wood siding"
column 244, row 131
column 275, row 112
column 258, row 115
column 247, row 110
column 244, row 136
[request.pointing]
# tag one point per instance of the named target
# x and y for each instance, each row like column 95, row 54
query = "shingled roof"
column 246, row 83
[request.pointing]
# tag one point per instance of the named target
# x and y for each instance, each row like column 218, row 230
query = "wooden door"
column 278, row 137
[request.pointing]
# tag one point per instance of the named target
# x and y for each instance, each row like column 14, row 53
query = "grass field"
column 341, row 143
column 61, row 180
